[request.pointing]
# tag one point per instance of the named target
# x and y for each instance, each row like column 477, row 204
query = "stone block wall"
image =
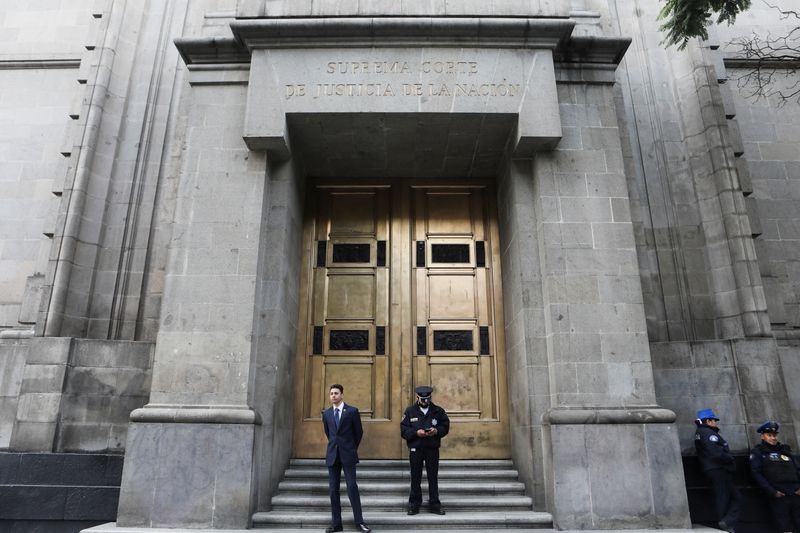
column 771, row 138
column 57, row 492
column 742, row 380
column 790, row 364
column 600, row 482
column 76, row 395
column 697, row 260
column 105, row 382
column 33, row 119
column 592, row 296
column 12, row 367
column 526, row 341
column 204, row 337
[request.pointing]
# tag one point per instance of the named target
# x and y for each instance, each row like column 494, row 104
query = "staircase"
column 477, row 494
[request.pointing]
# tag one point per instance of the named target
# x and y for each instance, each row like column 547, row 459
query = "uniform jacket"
column 344, row 441
column 414, row 419
column 712, row 450
column 775, row 468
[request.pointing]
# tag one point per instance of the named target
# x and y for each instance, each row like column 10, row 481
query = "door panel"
column 456, row 308
column 400, row 289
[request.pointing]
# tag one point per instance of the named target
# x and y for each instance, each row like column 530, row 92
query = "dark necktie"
column 336, row 417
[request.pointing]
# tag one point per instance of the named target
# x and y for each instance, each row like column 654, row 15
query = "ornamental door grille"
column 401, row 287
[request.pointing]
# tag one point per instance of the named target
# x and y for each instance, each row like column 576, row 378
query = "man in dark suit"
column 342, row 424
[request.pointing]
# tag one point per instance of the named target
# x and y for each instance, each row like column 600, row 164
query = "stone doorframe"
column 573, row 312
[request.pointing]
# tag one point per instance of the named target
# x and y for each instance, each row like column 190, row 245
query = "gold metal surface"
column 456, row 296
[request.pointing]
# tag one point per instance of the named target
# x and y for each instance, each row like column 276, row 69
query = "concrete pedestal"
column 189, row 467
column 617, row 469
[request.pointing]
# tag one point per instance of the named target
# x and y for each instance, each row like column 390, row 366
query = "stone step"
column 390, row 474
column 283, row 501
column 483, row 520
column 495, row 464
column 402, row 487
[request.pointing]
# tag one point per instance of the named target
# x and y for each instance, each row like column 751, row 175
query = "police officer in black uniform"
column 423, row 426
column 717, row 464
column 777, row 472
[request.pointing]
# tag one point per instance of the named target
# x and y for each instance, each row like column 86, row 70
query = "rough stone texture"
column 277, row 306
column 77, row 394
column 697, row 259
column 204, row 340
column 790, row 364
column 12, row 368
column 260, row 8
column 59, row 487
column 742, row 380
column 595, row 324
column 38, row 411
column 106, row 380
column 189, row 475
column 598, row 481
column 33, row 106
column 771, row 137
column 526, row 342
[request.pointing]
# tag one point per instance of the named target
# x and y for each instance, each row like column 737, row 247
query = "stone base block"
column 193, row 475
column 617, row 476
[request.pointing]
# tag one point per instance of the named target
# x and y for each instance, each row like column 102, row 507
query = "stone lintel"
column 387, row 65
column 221, row 74
column 605, row 415
column 196, row 414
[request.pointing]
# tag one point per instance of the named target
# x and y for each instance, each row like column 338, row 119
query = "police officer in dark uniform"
column 423, row 426
column 717, row 464
column 777, row 472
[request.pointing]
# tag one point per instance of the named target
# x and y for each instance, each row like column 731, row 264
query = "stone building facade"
column 162, row 168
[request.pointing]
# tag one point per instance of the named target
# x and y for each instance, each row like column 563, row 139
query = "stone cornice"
column 195, row 414
column 604, row 415
column 495, row 32
column 593, row 50
column 250, row 34
column 18, row 64
column 764, row 62
column 212, row 51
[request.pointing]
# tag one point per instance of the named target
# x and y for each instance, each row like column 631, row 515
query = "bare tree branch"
column 771, row 62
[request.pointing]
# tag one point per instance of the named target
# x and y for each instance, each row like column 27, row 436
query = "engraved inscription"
column 361, row 78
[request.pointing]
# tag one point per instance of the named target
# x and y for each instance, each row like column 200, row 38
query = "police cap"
column 770, row 426
column 424, row 391
column 706, row 414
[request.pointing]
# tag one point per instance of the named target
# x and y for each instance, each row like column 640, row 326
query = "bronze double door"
column 400, row 287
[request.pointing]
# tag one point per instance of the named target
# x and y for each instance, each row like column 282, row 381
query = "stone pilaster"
column 604, row 426
column 192, row 445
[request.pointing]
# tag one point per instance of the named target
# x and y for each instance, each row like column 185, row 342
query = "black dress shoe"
column 363, row 528
column 437, row 510
column 413, row 510
column 725, row 527
column 333, row 529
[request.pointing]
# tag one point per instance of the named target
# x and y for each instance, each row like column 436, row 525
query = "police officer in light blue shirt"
column 717, row 464
column 777, row 473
